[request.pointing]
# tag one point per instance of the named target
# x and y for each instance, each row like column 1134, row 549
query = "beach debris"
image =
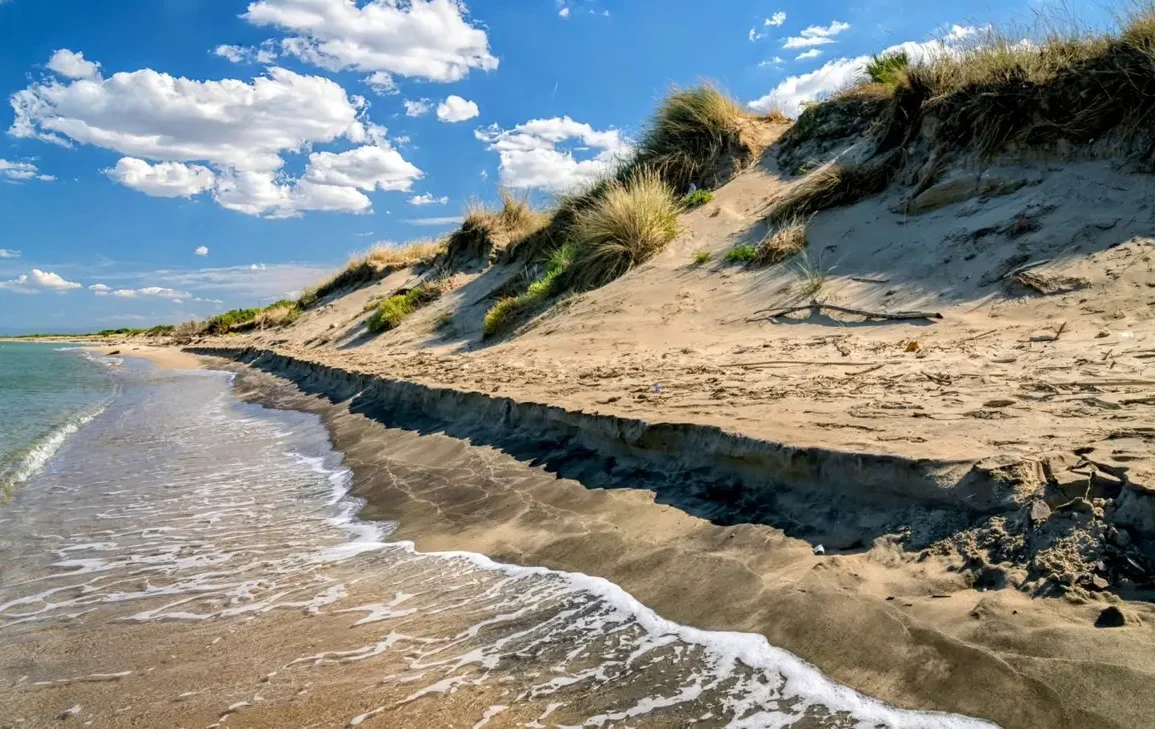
column 999, row 403
column 912, row 346
column 1111, row 617
column 657, row 388
column 819, row 549
column 815, row 307
column 1040, row 512
column 68, row 713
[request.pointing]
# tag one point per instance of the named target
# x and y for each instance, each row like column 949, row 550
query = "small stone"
column 1111, row 617
column 1040, row 512
column 1098, row 583
column 68, row 713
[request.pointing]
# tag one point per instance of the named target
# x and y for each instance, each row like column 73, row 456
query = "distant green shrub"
column 697, row 198
column 122, row 331
column 701, row 257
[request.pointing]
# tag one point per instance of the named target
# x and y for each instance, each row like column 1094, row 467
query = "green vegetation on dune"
column 393, row 310
column 502, row 314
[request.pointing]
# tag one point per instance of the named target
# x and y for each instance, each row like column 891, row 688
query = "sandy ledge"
column 905, row 628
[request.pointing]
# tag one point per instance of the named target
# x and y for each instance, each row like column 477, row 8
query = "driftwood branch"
column 814, row 307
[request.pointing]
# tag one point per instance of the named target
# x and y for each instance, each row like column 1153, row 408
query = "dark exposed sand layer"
column 908, row 627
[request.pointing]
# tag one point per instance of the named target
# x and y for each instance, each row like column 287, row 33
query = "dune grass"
column 996, row 91
column 393, row 310
column 280, row 314
column 691, row 130
column 701, row 258
column 783, row 240
column 371, row 264
column 631, row 222
column 502, row 314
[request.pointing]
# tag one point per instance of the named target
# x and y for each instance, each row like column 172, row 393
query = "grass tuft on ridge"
column 371, row 264
column 688, row 136
column 631, row 222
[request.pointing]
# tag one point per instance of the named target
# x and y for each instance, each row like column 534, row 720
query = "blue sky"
column 169, row 159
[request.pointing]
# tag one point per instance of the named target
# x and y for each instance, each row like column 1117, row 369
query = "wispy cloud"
column 448, row 220
column 9, row 253
column 816, row 35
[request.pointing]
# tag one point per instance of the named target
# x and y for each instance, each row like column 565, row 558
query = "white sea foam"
column 38, row 455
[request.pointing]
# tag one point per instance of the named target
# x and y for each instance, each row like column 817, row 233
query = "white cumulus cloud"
column 241, row 129
column 775, row 20
column 428, row 39
column 812, row 53
column 201, row 251
column 72, row 65
column 20, row 171
column 533, row 156
column 816, row 35
column 428, row 199
column 164, row 179
column 456, row 109
column 792, row 93
column 37, row 281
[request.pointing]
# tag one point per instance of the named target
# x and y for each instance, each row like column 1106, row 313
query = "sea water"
column 186, row 559
column 44, row 397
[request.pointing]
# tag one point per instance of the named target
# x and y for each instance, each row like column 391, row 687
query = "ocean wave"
column 38, row 454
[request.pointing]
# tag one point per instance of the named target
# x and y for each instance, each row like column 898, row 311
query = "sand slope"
column 1045, row 380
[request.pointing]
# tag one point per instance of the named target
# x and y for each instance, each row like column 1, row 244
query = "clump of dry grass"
column 691, row 133
column 371, row 264
column 280, row 314
column 782, row 241
column 631, row 222
column 487, row 231
column 832, row 185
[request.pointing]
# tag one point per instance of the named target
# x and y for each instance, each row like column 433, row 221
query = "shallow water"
column 189, row 560
column 44, row 397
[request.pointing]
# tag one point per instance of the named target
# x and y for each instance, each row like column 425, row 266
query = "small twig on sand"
column 865, row 371
column 984, row 334
column 773, row 362
column 1104, row 383
column 866, row 279
column 1025, row 267
column 815, row 307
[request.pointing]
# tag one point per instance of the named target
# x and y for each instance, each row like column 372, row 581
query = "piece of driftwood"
column 815, row 307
